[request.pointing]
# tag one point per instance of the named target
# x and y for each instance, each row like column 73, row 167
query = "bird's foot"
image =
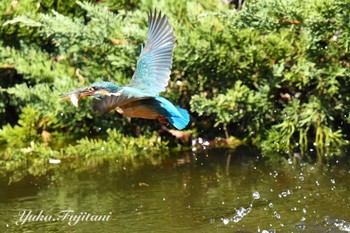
column 163, row 120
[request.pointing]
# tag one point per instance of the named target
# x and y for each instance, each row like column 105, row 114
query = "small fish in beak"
column 74, row 96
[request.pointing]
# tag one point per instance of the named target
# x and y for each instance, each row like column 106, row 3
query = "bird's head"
column 95, row 90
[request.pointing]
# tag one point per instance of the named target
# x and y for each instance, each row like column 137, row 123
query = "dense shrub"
column 275, row 73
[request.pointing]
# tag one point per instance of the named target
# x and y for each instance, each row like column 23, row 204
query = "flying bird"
column 140, row 98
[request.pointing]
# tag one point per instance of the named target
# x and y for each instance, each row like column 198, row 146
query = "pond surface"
column 210, row 191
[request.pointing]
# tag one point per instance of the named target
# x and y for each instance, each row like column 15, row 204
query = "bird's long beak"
column 80, row 93
column 75, row 95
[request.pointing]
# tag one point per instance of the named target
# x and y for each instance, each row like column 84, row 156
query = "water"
column 189, row 192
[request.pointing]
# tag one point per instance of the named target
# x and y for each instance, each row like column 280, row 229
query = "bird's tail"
column 181, row 119
column 177, row 116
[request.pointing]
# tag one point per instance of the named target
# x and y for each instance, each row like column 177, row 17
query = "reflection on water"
column 189, row 192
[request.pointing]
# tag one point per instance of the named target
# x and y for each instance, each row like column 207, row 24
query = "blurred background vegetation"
column 274, row 74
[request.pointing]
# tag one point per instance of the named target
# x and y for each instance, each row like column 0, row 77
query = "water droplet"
column 205, row 143
column 286, row 193
column 277, row 215
column 200, row 140
column 225, row 220
column 256, row 195
column 300, row 226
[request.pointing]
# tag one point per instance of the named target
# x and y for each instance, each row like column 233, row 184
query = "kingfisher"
column 140, row 98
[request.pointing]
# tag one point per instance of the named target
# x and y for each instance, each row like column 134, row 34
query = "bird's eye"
column 93, row 88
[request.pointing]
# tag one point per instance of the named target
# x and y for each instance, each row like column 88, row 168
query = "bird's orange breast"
column 138, row 109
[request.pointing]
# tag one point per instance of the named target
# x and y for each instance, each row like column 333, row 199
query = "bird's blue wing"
column 153, row 66
column 108, row 102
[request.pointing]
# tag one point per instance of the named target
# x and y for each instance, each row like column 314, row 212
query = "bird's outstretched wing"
column 109, row 101
column 153, row 66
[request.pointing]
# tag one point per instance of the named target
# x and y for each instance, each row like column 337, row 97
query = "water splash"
column 242, row 211
column 341, row 224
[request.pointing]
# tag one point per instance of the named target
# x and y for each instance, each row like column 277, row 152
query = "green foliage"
column 275, row 74
column 26, row 131
column 291, row 72
column 117, row 144
column 248, row 110
column 34, row 158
